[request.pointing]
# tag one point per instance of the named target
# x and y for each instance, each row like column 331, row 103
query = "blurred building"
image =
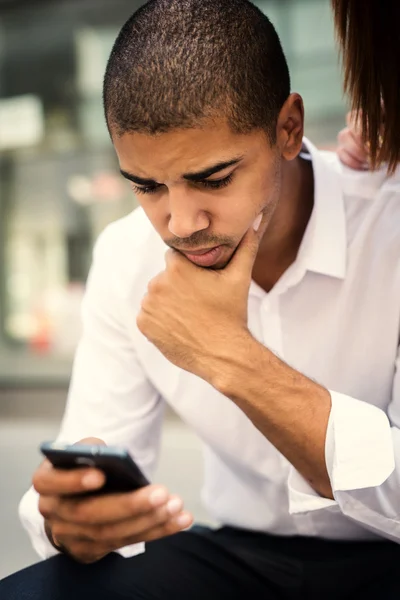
column 59, row 182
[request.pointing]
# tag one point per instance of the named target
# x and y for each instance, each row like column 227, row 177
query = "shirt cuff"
column 133, row 550
column 358, row 454
column 359, row 446
column 302, row 497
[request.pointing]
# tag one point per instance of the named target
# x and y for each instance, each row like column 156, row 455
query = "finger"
column 180, row 523
column 353, row 145
column 354, row 122
column 87, row 551
column 49, row 481
column 91, row 441
column 242, row 261
column 344, row 134
column 350, row 161
column 131, row 528
column 175, row 260
column 108, row 508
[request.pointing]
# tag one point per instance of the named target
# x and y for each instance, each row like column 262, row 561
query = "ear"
column 290, row 127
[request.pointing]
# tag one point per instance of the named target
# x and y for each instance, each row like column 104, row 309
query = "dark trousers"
column 202, row 564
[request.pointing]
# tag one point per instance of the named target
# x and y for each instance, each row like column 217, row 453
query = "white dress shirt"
column 333, row 315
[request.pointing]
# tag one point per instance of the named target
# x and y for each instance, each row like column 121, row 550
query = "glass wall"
column 59, row 182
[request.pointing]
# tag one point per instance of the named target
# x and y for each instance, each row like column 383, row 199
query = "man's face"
column 202, row 188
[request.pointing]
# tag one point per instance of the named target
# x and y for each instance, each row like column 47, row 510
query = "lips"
column 206, row 257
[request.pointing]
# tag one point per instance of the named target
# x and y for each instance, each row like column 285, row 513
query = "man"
column 270, row 326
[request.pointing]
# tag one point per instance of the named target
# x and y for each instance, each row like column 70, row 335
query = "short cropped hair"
column 176, row 62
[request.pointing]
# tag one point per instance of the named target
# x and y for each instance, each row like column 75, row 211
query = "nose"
column 185, row 215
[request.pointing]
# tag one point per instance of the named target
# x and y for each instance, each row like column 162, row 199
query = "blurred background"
column 59, row 187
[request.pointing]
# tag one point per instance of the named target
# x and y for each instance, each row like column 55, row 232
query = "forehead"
column 181, row 151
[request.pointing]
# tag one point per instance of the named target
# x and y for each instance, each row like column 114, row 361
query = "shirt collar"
column 324, row 246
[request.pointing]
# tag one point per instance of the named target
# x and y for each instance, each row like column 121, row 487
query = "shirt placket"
column 271, row 324
column 272, row 338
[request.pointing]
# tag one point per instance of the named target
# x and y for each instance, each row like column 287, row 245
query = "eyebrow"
column 199, row 176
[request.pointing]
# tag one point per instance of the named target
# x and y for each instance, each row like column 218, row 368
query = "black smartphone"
column 121, row 471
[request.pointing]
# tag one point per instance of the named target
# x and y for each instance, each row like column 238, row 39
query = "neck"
column 282, row 239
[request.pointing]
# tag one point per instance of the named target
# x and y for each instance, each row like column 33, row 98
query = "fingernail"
column 92, row 480
column 184, row 520
column 257, row 223
column 174, row 506
column 158, row 497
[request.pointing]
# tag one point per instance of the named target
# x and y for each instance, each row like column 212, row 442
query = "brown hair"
column 368, row 31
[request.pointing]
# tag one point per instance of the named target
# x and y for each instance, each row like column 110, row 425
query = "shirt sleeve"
column 362, row 453
column 110, row 396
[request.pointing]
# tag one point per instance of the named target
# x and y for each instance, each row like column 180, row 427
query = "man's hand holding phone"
column 88, row 527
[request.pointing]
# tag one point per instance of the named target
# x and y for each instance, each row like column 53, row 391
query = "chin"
column 219, row 266
column 223, row 263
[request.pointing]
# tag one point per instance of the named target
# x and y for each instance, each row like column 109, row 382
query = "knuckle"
column 37, row 480
column 169, row 256
column 103, row 533
column 45, row 507
column 154, row 286
column 171, row 527
column 343, row 135
column 137, row 504
column 161, row 516
column 79, row 512
column 91, row 535
column 59, row 529
column 141, row 321
column 144, row 302
column 174, row 265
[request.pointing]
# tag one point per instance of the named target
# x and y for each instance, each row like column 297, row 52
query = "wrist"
column 234, row 361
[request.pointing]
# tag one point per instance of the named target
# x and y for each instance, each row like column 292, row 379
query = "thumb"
column 90, row 441
column 245, row 255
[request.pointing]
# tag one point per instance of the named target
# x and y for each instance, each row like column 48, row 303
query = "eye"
column 150, row 189
column 217, row 184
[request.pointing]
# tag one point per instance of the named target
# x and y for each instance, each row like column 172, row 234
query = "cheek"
column 236, row 214
column 245, row 204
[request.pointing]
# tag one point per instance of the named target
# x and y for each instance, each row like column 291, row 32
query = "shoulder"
column 372, row 209
column 355, row 184
column 371, row 198
column 128, row 233
column 129, row 252
column 370, row 202
column 366, row 185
